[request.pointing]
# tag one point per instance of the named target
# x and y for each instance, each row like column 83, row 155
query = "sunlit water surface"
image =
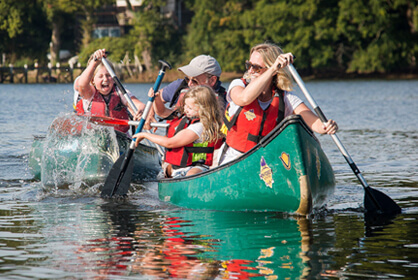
column 73, row 234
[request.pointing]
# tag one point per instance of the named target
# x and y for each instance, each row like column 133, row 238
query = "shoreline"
column 229, row 76
column 172, row 75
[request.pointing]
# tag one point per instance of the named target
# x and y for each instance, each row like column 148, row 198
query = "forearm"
column 181, row 139
column 157, row 139
column 83, row 85
column 314, row 122
column 138, row 104
column 252, row 90
column 159, row 107
column 318, row 126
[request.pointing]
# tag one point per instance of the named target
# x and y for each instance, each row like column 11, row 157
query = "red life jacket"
column 251, row 123
column 193, row 153
column 113, row 108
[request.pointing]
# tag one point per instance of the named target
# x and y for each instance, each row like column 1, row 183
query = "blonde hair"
column 269, row 53
column 208, row 109
column 98, row 67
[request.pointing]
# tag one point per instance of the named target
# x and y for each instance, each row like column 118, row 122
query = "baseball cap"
column 202, row 64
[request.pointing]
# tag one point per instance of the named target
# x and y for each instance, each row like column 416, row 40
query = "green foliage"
column 117, row 48
column 19, row 21
column 378, row 33
column 155, row 34
column 334, row 36
column 10, row 19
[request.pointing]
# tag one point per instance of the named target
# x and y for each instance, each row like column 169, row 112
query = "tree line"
column 332, row 36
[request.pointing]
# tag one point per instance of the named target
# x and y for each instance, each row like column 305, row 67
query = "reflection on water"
column 120, row 241
column 79, row 238
column 203, row 244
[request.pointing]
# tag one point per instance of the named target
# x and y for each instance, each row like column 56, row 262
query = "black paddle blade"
column 377, row 202
column 118, row 181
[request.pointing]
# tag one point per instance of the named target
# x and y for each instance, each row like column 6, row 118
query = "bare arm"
column 159, row 107
column 139, row 106
column 314, row 122
column 244, row 96
column 181, row 139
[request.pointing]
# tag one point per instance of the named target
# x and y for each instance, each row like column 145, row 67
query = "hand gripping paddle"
column 119, row 179
column 374, row 201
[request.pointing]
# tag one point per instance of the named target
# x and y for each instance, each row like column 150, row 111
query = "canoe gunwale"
column 263, row 143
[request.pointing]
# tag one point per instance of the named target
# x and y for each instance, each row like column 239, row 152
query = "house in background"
column 116, row 20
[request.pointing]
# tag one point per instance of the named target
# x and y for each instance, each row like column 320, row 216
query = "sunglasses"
column 256, row 68
column 195, row 82
column 192, row 80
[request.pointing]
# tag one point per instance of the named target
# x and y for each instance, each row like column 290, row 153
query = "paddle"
column 109, row 121
column 374, row 201
column 127, row 97
column 119, row 179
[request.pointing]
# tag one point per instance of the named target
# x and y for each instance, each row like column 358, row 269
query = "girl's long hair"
column 209, row 111
column 269, row 52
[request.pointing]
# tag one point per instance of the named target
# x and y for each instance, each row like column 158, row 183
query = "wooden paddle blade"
column 385, row 205
column 118, row 181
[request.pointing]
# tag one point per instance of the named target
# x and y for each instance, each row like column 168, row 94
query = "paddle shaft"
column 118, row 83
column 114, row 121
column 131, row 150
column 337, row 141
column 128, row 98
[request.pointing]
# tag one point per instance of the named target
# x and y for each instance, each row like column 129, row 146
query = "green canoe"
column 287, row 172
column 76, row 151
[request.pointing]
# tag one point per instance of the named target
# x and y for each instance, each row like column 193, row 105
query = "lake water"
column 69, row 235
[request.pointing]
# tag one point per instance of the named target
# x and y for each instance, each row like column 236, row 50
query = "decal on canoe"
column 250, row 115
column 265, row 173
column 285, row 158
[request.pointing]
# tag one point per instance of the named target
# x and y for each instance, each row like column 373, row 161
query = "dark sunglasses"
column 195, row 81
column 256, row 68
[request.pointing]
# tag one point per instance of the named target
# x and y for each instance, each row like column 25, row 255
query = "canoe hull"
column 287, row 172
column 75, row 151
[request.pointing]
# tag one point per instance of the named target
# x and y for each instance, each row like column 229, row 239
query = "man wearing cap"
column 202, row 70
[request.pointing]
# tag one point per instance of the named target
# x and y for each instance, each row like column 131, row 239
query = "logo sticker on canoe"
column 250, row 115
column 265, row 173
column 285, row 160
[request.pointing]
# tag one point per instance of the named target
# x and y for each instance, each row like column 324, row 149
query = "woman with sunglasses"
column 261, row 99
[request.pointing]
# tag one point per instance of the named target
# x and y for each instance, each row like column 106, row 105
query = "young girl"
column 98, row 93
column 192, row 137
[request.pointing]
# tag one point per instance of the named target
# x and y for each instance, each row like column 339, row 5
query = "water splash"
column 76, row 153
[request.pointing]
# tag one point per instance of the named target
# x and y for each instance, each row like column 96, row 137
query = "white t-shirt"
column 291, row 102
column 198, row 129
